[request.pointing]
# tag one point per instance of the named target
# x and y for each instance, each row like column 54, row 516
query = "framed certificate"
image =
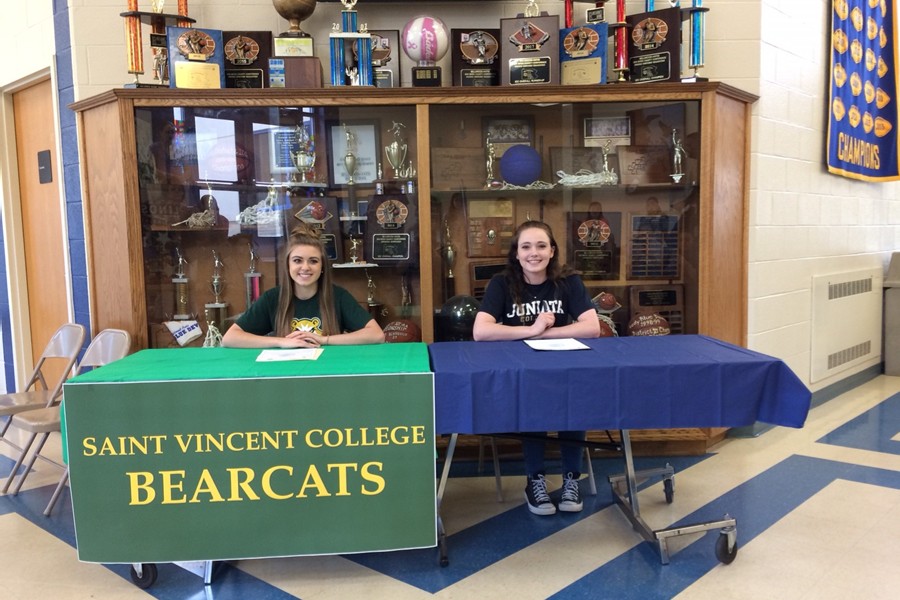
column 352, row 152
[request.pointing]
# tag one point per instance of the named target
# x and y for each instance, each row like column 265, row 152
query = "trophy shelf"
column 716, row 193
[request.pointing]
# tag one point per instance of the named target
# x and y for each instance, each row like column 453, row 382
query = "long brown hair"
column 513, row 271
column 304, row 235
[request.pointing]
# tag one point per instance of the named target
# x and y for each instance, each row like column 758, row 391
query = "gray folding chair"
column 63, row 346
column 107, row 346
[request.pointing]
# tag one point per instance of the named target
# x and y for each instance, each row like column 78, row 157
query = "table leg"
column 624, row 488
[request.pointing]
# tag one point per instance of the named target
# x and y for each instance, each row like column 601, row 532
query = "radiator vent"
column 846, row 355
column 849, row 288
column 846, row 321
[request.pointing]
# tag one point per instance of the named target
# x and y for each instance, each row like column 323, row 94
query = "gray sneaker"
column 536, row 495
column 571, row 495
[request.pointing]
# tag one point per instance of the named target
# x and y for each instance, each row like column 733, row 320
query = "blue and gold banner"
column 862, row 124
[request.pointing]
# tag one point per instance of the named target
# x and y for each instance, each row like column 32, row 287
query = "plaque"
column 593, row 244
column 655, row 46
column 655, row 246
column 386, row 57
column 196, row 58
column 321, row 214
column 644, row 165
column 295, row 72
column 476, row 57
column 247, row 58
column 457, row 168
column 392, row 230
column 530, row 49
column 491, row 225
column 582, row 54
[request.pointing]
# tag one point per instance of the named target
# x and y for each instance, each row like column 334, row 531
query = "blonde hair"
column 304, row 235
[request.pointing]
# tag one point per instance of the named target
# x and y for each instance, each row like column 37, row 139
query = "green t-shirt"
column 260, row 317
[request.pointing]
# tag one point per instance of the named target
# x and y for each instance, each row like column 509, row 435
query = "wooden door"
column 46, row 279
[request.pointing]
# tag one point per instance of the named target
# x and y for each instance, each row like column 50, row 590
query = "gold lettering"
column 266, row 482
column 140, row 484
column 206, row 485
column 342, row 476
column 314, row 480
column 172, row 481
column 378, row 480
column 241, row 484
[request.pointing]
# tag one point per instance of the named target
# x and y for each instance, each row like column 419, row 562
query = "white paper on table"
column 289, row 354
column 559, row 344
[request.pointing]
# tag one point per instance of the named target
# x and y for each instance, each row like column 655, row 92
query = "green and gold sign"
column 207, row 454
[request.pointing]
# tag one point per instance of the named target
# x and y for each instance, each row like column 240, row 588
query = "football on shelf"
column 648, row 324
column 607, row 326
column 403, row 330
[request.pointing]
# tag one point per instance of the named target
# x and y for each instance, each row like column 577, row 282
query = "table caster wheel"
column 146, row 578
column 722, row 553
column 669, row 490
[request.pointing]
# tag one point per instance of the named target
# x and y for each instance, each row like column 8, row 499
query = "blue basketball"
column 520, row 165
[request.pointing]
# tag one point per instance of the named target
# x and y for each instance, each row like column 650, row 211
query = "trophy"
column 698, row 35
column 351, row 49
column 134, row 44
column 678, row 155
column 620, row 46
column 216, row 310
column 349, row 155
column 252, row 277
column 304, row 158
column 396, row 153
column 490, row 181
column 180, row 281
column 607, row 175
column 448, row 253
column 354, row 247
column 295, row 11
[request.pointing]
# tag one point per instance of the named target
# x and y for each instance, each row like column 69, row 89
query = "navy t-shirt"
column 567, row 300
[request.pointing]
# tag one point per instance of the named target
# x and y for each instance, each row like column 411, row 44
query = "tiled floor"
column 818, row 514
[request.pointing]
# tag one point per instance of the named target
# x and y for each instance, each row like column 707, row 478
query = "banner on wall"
column 863, row 102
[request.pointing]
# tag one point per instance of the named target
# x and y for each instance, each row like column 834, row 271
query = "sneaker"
column 570, row 500
column 537, row 497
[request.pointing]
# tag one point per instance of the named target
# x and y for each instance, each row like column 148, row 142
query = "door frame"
column 10, row 195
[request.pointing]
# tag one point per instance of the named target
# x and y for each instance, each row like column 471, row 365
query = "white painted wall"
column 803, row 221
column 27, row 39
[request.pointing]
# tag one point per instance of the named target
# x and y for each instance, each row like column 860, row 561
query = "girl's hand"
column 543, row 322
column 302, row 339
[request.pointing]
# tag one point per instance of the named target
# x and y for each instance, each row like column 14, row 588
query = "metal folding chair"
column 107, row 346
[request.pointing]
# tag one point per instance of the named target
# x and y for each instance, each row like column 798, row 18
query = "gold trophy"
column 295, row 11
column 396, row 151
column 448, row 253
column 305, row 157
column 216, row 311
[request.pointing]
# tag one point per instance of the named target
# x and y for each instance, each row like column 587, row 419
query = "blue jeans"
column 533, row 450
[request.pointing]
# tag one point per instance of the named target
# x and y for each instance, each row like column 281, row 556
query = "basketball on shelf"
column 648, row 324
column 400, row 331
column 520, row 165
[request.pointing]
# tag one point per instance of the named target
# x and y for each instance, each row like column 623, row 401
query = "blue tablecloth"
column 619, row 383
